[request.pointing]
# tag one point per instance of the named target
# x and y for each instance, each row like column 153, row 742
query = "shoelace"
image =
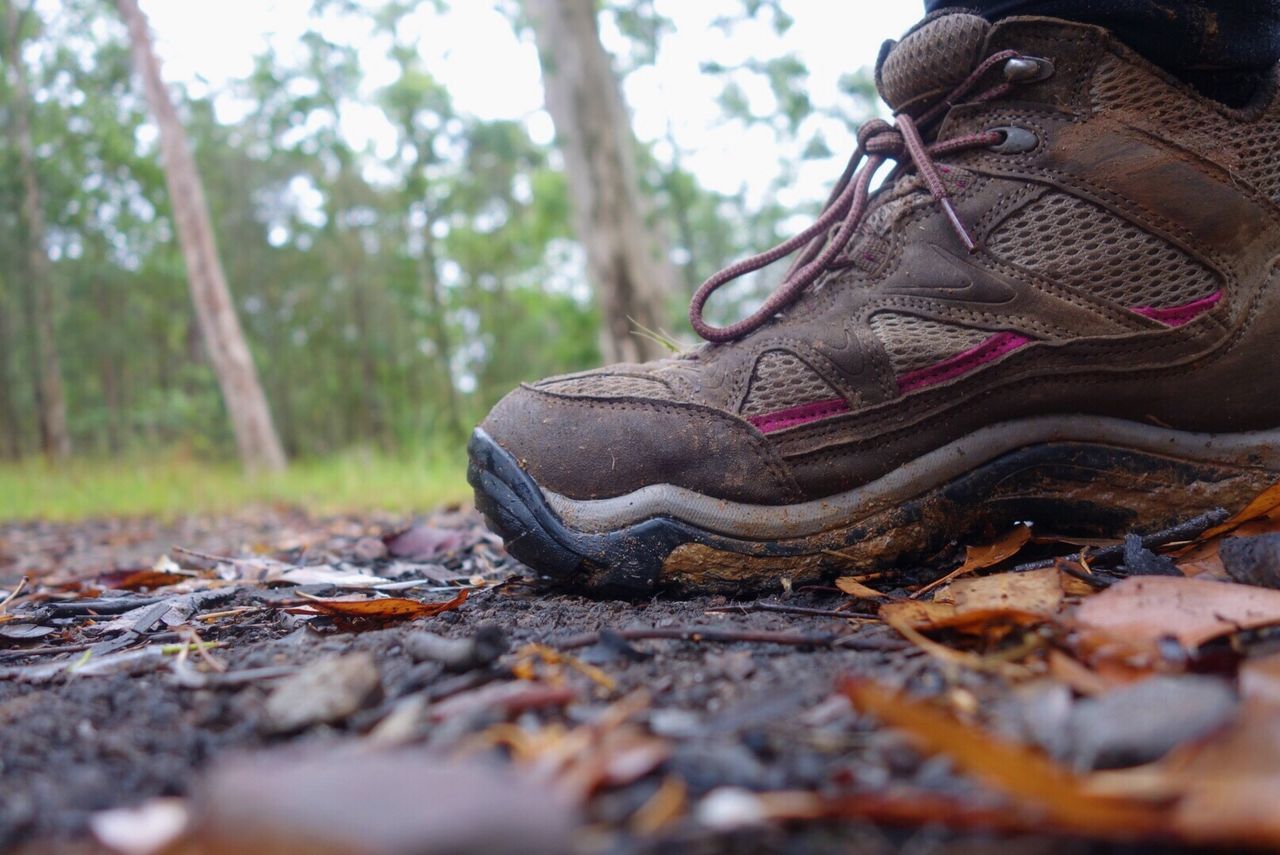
column 878, row 142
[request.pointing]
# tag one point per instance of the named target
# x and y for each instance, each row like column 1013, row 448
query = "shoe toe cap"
column 593, row 448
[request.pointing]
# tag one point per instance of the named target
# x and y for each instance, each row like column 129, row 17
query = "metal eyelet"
column 1028, row 69
column 1016, row 141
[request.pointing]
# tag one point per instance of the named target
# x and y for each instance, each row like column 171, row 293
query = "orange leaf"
column 982, row 557
column 1264, row 505
column 854, row 588
column 386, row 608
column 134, row 580
column 1022, row 774
column 1026, row 597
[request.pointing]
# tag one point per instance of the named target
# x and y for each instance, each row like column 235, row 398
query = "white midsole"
column 759, row 522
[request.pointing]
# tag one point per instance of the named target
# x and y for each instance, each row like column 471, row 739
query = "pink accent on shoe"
column 1176, row 316
column 802, row 415
column 962, row 363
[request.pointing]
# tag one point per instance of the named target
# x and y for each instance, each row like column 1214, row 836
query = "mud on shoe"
column 1061, row 306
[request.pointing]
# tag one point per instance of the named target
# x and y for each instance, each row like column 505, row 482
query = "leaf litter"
column 1085, row 693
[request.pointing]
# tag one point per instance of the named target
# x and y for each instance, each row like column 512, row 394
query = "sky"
column 472, row 50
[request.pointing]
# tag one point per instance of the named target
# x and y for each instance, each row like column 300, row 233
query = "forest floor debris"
column 381, row 683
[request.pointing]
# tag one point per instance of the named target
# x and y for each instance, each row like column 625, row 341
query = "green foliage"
column 173, row 486
column 389, row 297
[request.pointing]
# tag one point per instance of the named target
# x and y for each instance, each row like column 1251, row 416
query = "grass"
column 173, row 485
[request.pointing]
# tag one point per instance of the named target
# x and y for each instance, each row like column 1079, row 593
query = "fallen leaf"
column 1079, row 678
column 1022, row 774
column 137, row 580
column 1265, row 505
column 973, row 605
column 854, row 588
column 25, row 631
column 663, row 808
column 424, row 543
column 982, row 557
column 1145, row 610
column 384, row 608
column 1231, row 784
column 323, row 574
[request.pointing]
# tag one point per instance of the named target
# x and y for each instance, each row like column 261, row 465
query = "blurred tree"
column 224, row 340
column 626, row 261
column 51, row 403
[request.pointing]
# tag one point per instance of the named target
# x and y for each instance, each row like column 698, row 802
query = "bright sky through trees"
column 473, row 51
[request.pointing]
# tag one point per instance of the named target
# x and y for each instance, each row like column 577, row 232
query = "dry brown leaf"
column 1202, row 561
column 663, row 809
column 951, row 656
column 974, row 605
column 1022, row 774
column 137, row 580
column 1079, row 678
column 385, row 608
column 854, row 588
column 982, row 557
column 1141, row 611
column 1266, row 505
column 1231, row 783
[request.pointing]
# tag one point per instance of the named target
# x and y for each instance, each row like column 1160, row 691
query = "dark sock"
column 1224, row 48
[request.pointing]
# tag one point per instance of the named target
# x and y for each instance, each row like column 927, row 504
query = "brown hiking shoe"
column 1062, row 307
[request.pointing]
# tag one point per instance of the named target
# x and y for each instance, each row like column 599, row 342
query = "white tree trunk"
column 626, row 261
column 51, row 402
column 224, row 341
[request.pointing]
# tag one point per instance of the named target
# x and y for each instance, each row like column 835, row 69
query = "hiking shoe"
column 1061, row 307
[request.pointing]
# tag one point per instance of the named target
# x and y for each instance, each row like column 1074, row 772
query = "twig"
column 1094, row 581
column 14, row 593
column 778, row 608
column 711, row 635
column 1187, row 530
column 54, row 649
column 110, row 606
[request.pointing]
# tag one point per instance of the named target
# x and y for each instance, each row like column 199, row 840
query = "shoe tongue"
column 931, row 59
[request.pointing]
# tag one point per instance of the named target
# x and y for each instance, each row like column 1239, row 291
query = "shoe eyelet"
column 1016, row 140
column 1028, row 69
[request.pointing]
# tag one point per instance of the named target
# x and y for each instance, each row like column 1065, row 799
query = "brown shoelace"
column 878, row 142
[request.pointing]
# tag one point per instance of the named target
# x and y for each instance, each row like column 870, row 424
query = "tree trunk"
column 440, row 337
column 626, row 260
column 51, row 405
column 10, row 438
column 215, row 312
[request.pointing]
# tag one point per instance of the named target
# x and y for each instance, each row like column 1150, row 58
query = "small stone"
column 1252, row 560
column 459, row 654
column 730, row 808
column 324, row 692
column 737, row 665
column 369, row 549
column 1143, row 722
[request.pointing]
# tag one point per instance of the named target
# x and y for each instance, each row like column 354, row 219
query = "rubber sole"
column 1143, row 479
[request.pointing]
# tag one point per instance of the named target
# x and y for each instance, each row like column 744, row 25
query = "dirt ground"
column 556, row 722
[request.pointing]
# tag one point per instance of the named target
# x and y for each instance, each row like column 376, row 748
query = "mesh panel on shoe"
column 1076, row 243
column 782, row 380
column 609, row 386
column 937, row 56
column 1247, row 148
column 913, row 343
